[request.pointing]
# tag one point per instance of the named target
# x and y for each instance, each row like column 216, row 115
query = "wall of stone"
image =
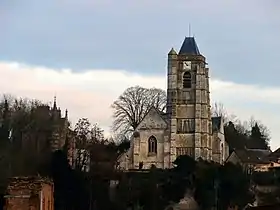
column 26, row 193
column 149, row 159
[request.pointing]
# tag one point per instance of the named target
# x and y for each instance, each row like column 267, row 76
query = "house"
column 250, row 159
column 274, row 157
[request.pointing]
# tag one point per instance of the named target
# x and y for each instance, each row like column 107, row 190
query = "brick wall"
column 29, row 193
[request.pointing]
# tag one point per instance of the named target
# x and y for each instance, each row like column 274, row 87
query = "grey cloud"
column 238, row 37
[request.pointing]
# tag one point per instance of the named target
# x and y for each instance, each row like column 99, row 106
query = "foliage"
column 123, row 146
column 259, row 138
column 234, row 186
column 206, row 184
column 133, row 104
column 212, row 185
column 250, row 134
column 15, row 115
column 267, row 179
column 86, row 139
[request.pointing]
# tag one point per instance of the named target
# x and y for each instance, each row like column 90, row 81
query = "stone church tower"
column 188, row 102
column 187, row 127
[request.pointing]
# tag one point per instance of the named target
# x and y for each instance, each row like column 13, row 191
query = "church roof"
column 161, row 114
column 189, row 47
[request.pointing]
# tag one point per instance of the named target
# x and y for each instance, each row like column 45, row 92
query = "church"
column 187, row 127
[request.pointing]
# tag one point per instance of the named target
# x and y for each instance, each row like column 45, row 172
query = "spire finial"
column 66, row 113
column 190, row 30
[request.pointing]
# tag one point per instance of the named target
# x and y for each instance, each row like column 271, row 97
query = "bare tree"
column 131, row 107
column 218, row 110
column 82, row 139
column 86, row 135
column 97, row 134
column 263, row 129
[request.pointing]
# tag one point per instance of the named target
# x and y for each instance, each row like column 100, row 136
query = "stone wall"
column 26, row 193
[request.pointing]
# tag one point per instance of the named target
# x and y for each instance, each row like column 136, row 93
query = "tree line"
column 77, row 188
column 19, row 157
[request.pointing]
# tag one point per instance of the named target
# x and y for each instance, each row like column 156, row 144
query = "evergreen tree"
column 257, row 138
column 5, row 125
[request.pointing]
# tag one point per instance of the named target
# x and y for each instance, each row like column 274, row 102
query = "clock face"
column 187, row 65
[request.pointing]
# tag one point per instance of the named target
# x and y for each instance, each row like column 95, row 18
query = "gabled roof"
column 189, row 47
column 252, row 155
column 274, row 156
column 162, row 115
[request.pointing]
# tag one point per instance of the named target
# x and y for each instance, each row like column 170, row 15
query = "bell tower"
column 188, row 103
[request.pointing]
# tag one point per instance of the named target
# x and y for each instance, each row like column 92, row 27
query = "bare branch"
column 131, row 107
column 86, row 136
column 218, row 110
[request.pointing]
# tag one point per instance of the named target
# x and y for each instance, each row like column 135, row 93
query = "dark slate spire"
column 189, row 47
column 54, row 103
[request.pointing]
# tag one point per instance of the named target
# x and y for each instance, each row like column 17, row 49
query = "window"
column 187, row 80
column 152, row 147
column 186, row 126
column 173, row 111
column 185, row 151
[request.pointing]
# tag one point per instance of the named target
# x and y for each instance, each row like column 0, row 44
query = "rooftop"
column 189, row 47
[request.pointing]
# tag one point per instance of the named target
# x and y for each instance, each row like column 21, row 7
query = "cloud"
column 136, row 35
column 91, row 92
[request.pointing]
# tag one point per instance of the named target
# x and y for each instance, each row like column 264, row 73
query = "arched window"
column 152, row 147
column 187, row 80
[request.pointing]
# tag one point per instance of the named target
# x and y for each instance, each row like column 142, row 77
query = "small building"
column 274, row 158
column 29, row 193
column 250, row 159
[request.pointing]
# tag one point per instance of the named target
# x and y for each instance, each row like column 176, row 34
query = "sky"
column 88, row 52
